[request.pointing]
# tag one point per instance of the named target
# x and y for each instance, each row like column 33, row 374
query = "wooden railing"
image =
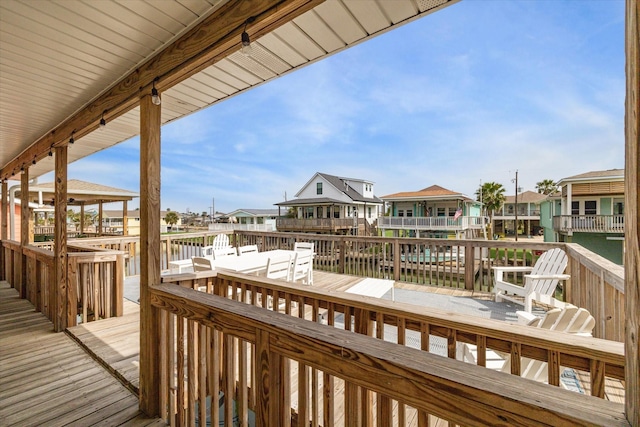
column 464, row 264
column 93, row 290
column 174, row 247
column 442, row 223
column 210, row 346
column 597, row 284
column 327, row 225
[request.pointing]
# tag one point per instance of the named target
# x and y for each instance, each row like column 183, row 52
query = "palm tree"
column 492, row 196
column 171, row 218
column 546, row 186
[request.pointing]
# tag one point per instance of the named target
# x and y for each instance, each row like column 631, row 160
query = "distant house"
column 334, row 205
column 433, row 212
column 248, row 219
column 527, row 212
column 588, row 210
column 113, row 220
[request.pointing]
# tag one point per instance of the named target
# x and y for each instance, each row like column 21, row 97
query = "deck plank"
column 47, row 379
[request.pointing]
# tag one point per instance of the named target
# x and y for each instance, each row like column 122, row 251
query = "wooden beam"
column 213, row 39
column 632, row 214
column 149, row 254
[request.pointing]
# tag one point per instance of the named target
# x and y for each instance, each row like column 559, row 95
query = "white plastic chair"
column 247, row 249
column 279, row 267
column 201, row 263
column 223, row 252
column 303, row 246
column 539, row 283
column 302, row 267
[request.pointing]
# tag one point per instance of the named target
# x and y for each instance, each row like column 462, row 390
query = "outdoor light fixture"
column 34, row 161
column 247, row 50
column 51, row 151
column 155, row 97
column 71, row 140
column 103, row 122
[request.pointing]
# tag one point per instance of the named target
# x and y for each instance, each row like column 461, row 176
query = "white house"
column 332, row 204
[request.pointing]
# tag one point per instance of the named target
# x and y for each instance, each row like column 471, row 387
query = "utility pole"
column 516, row 207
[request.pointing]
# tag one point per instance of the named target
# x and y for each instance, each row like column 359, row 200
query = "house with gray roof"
column 333, row 205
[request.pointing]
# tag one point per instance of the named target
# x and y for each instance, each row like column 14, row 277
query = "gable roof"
column 596, row 175
column 82, row 192
column 526, row 197
column 432, row 192
column 255, row 212
column 340, row 184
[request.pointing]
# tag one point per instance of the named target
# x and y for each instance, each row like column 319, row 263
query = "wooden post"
column 99, row 230
column 125, row 219
column 632, row 215
column 149, row 254
column 469, row 265
column 4, row 224
column 82, row 225
column 24, row 228
column 59, row 286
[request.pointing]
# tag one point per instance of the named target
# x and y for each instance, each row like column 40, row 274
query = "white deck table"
column 373, row 288
column 253, row 262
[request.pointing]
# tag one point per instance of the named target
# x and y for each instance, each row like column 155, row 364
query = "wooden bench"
column 373, row 288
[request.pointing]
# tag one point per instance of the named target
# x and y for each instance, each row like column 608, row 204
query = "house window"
column 319, row 212
column 590, row 207
column 409, row 212
column 618, row 208
column 400, row 212
column 336, row 212
column 575, row 208
column 441, row 211
column 319, row 188
column 309, row 212
column 369, row 211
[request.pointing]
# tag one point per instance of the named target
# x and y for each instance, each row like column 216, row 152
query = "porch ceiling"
column 62, row 61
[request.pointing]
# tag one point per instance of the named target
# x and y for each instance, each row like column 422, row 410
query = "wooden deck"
column 47, row 379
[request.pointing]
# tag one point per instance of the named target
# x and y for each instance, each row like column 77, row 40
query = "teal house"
column 589, row 210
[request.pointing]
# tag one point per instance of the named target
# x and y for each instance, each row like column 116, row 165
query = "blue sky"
column 474, row 92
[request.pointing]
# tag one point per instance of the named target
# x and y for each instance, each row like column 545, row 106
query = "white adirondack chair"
column 539, row 283
column 570, row 319
column 221, row 241
column 207, row 251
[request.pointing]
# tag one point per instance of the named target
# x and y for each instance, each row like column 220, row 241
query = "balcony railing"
column 434, row 223
column 589, row 223
column 338, row 376
column 93, row 288
column 521, row 213
column 315, row 224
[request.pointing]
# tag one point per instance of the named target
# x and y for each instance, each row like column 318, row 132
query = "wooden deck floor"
column 47, row 379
